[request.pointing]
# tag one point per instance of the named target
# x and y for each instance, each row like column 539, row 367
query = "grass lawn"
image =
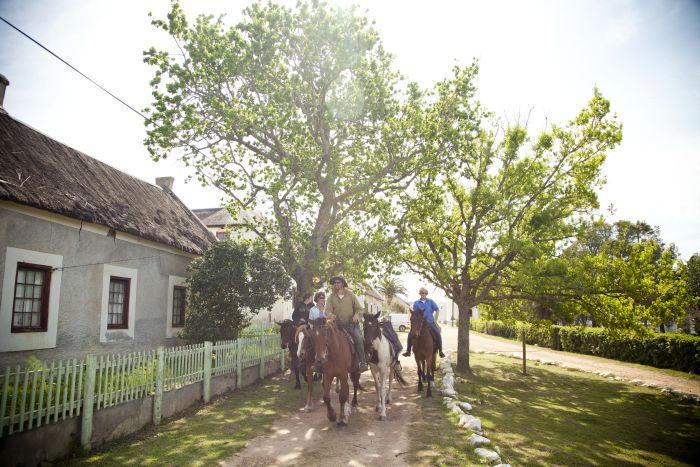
column 594, row 358
column 204, row 435
column 555, row 416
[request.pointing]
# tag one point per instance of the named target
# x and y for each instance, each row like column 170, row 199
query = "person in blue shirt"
column 428, row 307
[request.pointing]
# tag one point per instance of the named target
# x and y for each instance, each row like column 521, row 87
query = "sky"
column 541, row 58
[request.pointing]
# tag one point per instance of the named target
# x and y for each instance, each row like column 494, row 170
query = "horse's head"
column 286, row 332
column 303, row 340
column 417, row 321
column 319, row 338
column 371, row 328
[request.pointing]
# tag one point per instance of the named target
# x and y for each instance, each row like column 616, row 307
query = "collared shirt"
column 427, row 307
column 315, row 313
column 344, row 308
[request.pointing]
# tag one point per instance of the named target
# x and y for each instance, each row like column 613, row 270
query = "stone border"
column 605, row 374
column 467, row 421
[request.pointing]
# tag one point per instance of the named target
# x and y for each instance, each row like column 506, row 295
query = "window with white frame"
column 30, row 307
column 179, row 303
column 118, row 305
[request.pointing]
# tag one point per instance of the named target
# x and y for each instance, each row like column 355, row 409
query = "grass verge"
column 205, row 435
column 593, row 358
column 555, row 416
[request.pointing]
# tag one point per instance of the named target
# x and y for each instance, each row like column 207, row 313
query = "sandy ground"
column 309, row 439
column 614, row 368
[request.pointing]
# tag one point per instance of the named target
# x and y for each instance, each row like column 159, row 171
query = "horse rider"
column 344, row 306
column 427, row 306
column 301, row 311
column 318, row 310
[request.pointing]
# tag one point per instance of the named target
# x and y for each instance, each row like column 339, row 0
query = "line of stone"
column 467, row 421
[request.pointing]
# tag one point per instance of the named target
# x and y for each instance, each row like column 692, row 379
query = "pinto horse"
column 305, row 353
column 287, row 331
column 424, row 350
column 333, row 351
column 382, row 362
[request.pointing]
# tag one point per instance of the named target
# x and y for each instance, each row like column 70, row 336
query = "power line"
column 76, row 70
column 63, row 268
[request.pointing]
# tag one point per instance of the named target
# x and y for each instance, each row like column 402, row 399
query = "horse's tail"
column 398, row 377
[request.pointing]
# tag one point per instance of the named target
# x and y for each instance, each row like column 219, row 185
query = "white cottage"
column 91, row 259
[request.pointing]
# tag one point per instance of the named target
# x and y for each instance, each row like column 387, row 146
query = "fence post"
column 207, row 371
column 239, row 363
column 88, row 401
column 262, row 357
column 158, row 396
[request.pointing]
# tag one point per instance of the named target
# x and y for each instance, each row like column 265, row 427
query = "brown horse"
column 287, row 331
column 305, row 353
column 333, row 351
column 424, row 351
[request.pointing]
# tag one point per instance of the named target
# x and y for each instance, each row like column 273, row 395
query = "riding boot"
column 409, row 343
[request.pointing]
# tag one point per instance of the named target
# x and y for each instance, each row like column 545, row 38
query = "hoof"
column 388, row 402
column 332, row 417
column 354, row 403
column 382, row 418
column 428, row 396
column 342, row 424
column 297, row 387
column 307, row 409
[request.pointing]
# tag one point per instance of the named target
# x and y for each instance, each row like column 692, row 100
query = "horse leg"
column 419, row 364
column 382, row 391
column 387, row 400
column 355, row 387
column 375, row 370
column 327, row 396
column 310, row 389
column 343, row 398
column 431, row 365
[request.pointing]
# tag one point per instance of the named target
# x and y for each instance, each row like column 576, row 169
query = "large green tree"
column 298, row 114
column 228, row 285
column 499, row 199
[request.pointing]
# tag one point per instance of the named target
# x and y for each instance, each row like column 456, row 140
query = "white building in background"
column 221, row 223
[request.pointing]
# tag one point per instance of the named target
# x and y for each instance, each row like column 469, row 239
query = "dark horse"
column 333, row 351
column 424, row 350
column 287, row 334
column 382, row 361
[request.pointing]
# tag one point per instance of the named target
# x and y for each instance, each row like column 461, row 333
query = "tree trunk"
column 463, row 339
column 304, row 282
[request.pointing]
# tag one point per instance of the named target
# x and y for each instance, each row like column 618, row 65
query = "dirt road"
column 622, row 370
column 309, row 439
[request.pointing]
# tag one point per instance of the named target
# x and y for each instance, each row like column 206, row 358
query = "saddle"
column 353, row 351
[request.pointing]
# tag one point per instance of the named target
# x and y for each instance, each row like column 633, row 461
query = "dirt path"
column 309, row 439
column 582, row 362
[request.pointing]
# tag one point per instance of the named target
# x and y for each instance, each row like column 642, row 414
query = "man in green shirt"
column 344, row 306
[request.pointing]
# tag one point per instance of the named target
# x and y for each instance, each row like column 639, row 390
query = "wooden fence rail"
column 45, row 393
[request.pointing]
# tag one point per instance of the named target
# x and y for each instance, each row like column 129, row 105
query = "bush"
column 662, row 350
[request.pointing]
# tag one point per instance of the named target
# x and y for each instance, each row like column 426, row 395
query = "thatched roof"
column 38, row 171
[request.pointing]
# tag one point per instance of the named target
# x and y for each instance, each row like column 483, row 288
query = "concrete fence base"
column 56, row 440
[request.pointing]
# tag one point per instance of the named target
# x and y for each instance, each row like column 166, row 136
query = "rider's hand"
column 355, row 319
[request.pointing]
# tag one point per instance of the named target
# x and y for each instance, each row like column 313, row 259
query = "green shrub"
column 662, row 350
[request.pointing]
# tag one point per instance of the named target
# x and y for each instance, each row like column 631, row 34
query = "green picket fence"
column 43, row 393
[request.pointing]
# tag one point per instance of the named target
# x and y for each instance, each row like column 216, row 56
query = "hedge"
column 662, row 350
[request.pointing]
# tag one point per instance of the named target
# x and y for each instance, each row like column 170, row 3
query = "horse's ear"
column 377, row 314
column 278, row 323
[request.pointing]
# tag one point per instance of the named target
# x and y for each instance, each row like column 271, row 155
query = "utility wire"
column 76, row 70
column 63, row 268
